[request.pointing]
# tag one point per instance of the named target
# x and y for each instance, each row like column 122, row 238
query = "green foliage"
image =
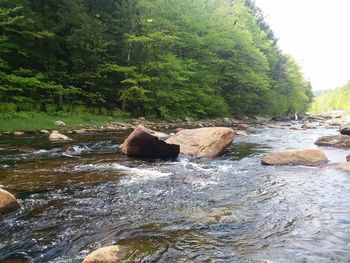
column 161, row 58
column 338, row 99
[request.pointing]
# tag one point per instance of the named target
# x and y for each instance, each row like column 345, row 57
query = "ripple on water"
column 230, row 209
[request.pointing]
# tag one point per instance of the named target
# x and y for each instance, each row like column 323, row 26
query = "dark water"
column 230, row 209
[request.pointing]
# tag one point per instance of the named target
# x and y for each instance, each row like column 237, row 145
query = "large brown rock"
column 8, row 203
column 110, row 254
column 143, row 142
column 342, row 141
column 203, row 142
column 304, row 157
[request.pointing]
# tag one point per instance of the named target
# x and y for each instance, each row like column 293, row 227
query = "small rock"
column 56, row 136
column 110, row 254
column 44, row 132
column 18, row 133
column 141, row 118
column 309, row 126
column 79, row 131
column 243, row 126
column 341, row 141
column 304, row 157
column 8, row 203
column 60, row 124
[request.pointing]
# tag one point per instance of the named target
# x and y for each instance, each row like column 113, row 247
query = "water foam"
column 136, row 174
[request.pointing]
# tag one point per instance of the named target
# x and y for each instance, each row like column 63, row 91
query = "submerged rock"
column 8, row 203
column 56, row 136
column 44, row 132
column 203, row 142
column 304, row 157
column 143, row 142
column 343, row 166
column 342, row 141
column 110, row 254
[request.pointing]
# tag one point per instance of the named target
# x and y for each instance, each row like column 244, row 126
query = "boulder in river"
column 8, row 203
column 203, row 142
column 110, row 254
column 341, row 141
column 345, row 129
column 56, row 136
column 143, row 142
column 303, row 157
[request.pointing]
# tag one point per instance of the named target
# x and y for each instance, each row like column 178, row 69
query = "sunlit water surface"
column 230, row 209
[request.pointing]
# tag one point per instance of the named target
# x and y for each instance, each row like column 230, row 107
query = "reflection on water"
column 230, row 209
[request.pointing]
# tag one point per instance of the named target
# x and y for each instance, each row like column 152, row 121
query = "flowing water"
column 230, row 209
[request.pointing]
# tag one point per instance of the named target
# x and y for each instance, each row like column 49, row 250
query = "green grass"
column 34, row 121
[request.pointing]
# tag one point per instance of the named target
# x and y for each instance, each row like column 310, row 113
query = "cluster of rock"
column 200, row 142
column 308, row 122
column 203, row 139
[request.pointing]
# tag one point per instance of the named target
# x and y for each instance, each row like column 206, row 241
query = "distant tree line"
column 157, row 58
column 337, row 99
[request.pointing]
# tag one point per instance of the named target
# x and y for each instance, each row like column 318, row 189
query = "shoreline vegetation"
column 332, row 100
column 158, row 59
column 32, row 122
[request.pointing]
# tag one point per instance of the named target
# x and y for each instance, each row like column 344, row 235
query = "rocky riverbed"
column 81, row 195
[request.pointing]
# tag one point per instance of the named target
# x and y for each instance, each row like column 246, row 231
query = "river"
column 229, row 209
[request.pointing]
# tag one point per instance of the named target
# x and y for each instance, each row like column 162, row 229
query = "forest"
column 337, row 99
column 154, row 58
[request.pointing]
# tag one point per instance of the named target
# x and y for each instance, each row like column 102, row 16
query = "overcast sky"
column 317, row 34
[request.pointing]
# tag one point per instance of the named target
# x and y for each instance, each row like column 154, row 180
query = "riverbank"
column 32, row 122
column 27, row 122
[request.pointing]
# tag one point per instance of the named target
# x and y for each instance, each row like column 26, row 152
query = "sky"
column 317, row 34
